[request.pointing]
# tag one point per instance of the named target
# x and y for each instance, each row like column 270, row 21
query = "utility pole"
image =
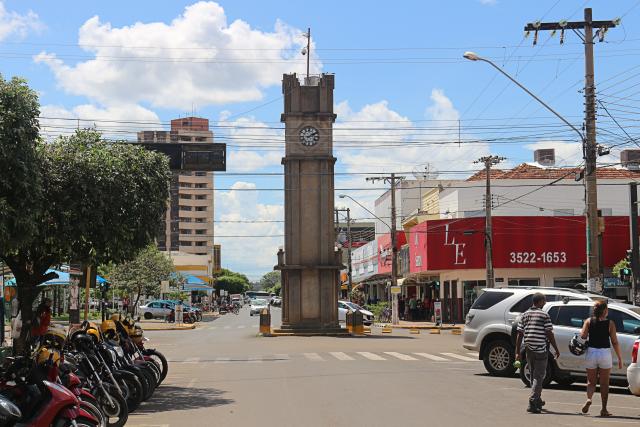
column 589, row 145
column 488, row 161
column 392, row 180
column 307, row 51
column 350, row 243
column 635, row 244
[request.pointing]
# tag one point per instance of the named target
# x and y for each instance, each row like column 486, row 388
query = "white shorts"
column 599, row 358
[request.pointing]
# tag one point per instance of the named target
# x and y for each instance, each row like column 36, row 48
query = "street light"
column 472, row 56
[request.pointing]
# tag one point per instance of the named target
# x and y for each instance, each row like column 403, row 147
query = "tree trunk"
column 27, row 293
column 135, row 305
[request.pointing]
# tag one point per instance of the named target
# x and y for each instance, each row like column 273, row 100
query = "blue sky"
column 401, row 84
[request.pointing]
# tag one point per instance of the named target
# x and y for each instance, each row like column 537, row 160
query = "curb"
column 171, row 328
column 443, row 328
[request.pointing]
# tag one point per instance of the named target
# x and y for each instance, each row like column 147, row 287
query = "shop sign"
column 396, row 290
column 437, row 309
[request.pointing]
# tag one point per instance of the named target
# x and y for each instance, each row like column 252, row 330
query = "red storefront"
column 542, row 250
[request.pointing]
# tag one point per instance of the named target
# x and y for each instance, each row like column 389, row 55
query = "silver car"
column 155, row 309
column 568, row 318
column 488, row 328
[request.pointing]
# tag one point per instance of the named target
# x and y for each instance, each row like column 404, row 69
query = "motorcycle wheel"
column 116, row 412
column 161, row 361
column 134, row 387
column 78, row 422
column 151, row 381
column 93, row 407
column 144, row 382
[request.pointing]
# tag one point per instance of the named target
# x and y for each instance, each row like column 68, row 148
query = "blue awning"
column 63, row 279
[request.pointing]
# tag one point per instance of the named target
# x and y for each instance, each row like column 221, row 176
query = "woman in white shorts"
column 601, row 333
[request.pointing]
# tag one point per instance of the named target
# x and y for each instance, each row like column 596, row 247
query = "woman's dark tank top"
column 599, row 333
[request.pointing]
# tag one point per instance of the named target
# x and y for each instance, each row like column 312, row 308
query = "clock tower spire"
column 310, row 264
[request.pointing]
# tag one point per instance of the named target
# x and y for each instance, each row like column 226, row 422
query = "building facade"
column 188, row 226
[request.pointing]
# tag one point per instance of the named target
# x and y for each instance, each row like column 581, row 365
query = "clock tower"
column 310, row 264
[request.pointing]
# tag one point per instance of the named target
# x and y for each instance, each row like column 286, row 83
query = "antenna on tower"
column 425, row 172
column 307, row 50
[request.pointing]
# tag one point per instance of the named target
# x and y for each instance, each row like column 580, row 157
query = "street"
column 223, row 373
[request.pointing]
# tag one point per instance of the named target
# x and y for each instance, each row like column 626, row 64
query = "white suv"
column 488, row 323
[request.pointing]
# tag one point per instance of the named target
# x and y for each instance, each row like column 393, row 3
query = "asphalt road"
column 223, row 373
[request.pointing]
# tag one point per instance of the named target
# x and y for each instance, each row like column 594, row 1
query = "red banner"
column 518, row 242
column 385, row 255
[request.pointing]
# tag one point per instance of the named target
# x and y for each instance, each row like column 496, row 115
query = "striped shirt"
column 534, row 324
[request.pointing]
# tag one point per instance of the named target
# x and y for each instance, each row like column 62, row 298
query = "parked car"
column 633, row 371
column 237, row 299
column 567, row 318
column 257, row 305
column 155, row 309
column 488, row 324
column 345, row 306
column 276, row 301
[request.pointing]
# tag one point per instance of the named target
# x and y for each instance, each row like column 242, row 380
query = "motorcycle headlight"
column 119, row 351
column 113, row 355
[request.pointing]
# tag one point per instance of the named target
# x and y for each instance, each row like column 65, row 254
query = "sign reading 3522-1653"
column 537, row 257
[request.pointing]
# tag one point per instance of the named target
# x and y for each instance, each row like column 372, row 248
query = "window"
column 200, row 231
column 201, row 220
column 525, row 303
column 489, row 299
column 201, row 208
column 201, row 138
column 201, row 185
column 185, row 208
column 183, row 219
column 572, row 316
column 185, row 231
column 201, row 197
column 524, row 282
column 625, row 323
column 567, row 282
column 201, row 243
column 185, row 196
column 185, row 138
column 183, row 243
column 186, row 185
column 200, row 174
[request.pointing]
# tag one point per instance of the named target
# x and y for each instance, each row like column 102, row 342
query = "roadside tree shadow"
column 173, row 398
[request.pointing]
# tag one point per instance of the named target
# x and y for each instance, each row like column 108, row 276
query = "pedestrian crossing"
column 340, row 356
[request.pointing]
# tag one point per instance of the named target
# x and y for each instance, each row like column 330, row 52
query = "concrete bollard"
column 387, row 330
column 414, row 331
column 265, row 321
column 435, row 331
column 456, row 331
column 357, row 322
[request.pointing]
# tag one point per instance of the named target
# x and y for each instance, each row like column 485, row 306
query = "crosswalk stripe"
column 340, row 355
column 241, row 327
column 227, row 327
column 400, row 355
column 222, row 360
column 315, row 357
column 213, row 327
column 432, row 357
column 370, row 356
column 459, row 357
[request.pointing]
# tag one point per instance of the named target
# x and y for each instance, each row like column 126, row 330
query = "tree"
column 233, row 284
column 270, row 280
column 99, row 202
column 20, row 185
column 143, row 274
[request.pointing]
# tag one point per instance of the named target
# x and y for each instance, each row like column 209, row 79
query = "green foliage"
column 377, row 309
column 623, row 263
column 20, row 188
column 178, row 295
column 276, row 289
column 270, row 280
column 232, row 282
column 143, row 274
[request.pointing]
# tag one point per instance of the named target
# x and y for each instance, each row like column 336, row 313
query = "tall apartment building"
column 188, row 226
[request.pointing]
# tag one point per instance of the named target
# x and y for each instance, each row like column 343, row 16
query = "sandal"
column 586, row 406
column 605, row 413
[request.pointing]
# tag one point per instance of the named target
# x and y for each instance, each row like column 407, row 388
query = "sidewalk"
column 161, row 325
column 404, row 324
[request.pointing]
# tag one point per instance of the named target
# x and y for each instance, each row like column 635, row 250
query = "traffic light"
column 104, row 286
column 583, row 271
column 628, row 257
column 625, row 275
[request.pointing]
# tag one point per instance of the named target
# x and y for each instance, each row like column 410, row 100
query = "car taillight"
column 634, row 352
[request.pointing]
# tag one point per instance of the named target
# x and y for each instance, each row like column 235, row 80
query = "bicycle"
column 385, row 315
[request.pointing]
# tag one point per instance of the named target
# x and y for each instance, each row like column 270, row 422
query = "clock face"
column 309, row 136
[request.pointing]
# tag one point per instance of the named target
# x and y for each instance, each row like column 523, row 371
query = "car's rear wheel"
column 498, row 358
column 148, row 315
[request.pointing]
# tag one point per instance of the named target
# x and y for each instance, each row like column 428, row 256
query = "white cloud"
column 253, row 256
column 57, row 120
column 251, row 145
column 13, row 23
column 570, row 153
column 196, row 58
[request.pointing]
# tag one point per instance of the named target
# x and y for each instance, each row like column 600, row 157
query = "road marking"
column 474, row 354
column 370, row 356
column 432, row 357
column 227, row 327
column 459, row 357
column 280, row 357
column 191, row 360
column 314, row 357
column 340, row 355
column 254, row 359
column 400, row 355
column 213, row 327
column 241, row 326
column 222, row 360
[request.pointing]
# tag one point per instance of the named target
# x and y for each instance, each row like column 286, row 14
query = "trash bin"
column 357, row 321
column 349, row 321
column 265, row 321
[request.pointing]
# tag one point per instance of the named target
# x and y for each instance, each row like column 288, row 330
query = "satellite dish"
column 424, row 172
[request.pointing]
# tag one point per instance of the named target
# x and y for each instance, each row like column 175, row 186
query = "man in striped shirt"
column 536, row 330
